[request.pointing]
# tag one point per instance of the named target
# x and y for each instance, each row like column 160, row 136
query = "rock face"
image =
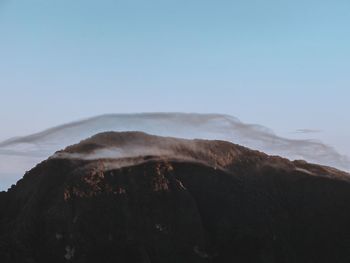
column 132, row 197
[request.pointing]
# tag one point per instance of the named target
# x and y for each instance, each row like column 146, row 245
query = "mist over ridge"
column 26, row 151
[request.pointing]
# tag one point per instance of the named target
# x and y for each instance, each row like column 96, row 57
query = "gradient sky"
column 282, row 64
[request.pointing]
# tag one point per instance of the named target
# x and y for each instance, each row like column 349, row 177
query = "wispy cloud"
column 36, row 147
column 307, row 131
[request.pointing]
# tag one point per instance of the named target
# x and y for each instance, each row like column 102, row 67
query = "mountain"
column 28, row 150
column 132, row 197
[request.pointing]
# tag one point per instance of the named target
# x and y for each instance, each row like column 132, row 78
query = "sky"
column 282, row 64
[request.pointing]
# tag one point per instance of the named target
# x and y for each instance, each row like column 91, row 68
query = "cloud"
column 35, row 147
column 307, row 131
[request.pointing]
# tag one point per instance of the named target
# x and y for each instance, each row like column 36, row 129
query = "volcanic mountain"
column 133, row 197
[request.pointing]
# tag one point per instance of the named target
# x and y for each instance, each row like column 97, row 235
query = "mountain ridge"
column 26, row 151
column 203, row 201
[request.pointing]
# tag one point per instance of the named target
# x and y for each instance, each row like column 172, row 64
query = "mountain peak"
column 134, row 197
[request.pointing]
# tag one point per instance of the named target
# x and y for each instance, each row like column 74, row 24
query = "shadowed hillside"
column 133, row 197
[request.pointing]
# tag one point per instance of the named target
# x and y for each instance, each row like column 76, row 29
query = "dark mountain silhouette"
column 133, row 197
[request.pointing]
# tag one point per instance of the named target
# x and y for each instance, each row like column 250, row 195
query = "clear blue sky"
column 283, row 64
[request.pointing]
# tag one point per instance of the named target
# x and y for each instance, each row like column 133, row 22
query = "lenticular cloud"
column 20, row 154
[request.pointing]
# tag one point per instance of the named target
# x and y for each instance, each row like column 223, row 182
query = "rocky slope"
column 133, row 197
